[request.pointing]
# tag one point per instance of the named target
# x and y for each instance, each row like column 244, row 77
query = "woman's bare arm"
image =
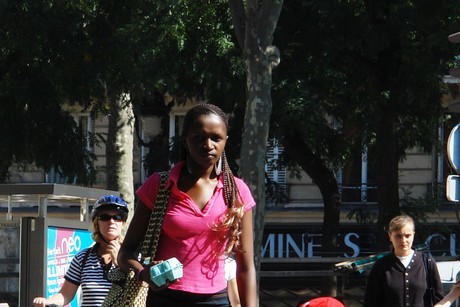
column 246, row 273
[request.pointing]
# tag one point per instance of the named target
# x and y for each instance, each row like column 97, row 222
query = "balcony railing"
column 358, row 194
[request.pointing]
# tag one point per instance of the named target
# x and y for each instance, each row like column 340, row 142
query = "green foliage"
column 275, row 193
column 418, row 208
column 39, row 39
column 363, row 215
column 186, row 48
column 303, row 109
column 78, row 52
column 350, row 67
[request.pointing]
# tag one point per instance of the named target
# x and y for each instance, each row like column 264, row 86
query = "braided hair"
column 231, row 222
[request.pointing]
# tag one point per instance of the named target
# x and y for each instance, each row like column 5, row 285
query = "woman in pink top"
column 208, row 216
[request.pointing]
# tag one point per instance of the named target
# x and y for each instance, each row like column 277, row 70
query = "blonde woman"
column 400, row 279
column 89, row 267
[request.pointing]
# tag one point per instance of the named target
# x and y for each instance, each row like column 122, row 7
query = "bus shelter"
column 42, row 226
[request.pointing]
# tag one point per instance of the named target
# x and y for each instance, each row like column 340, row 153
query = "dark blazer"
column 390, row 284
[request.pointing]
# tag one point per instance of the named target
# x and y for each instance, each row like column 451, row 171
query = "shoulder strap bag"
column 430, row 294
column 125, row 290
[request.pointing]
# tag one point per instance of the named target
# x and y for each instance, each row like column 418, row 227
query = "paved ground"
column 289, row 291
column 352, row 294
column 285, row 297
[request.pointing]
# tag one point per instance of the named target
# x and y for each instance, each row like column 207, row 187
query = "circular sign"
column 453, row 148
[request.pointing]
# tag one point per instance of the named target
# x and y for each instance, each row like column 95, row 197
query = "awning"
column 42, row 194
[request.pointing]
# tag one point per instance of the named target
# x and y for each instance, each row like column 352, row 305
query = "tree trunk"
column 119, row 149
column 254, row 27
column 253, row 146
column 387, row 179
column 327, row 183
column 389, row 63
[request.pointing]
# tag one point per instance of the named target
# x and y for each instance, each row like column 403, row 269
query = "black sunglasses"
column 108, row 217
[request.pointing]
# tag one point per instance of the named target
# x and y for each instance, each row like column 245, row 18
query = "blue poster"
column 63, row 244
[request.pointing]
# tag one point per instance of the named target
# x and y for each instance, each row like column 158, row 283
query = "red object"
column 323, row 302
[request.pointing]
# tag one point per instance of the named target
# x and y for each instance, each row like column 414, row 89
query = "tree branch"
column 270, row 12
column 239, row 20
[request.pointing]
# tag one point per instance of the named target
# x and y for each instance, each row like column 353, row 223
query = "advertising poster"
column 63, row 244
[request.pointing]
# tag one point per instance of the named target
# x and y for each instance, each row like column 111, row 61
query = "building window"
column 357, row 180
column 275, row 172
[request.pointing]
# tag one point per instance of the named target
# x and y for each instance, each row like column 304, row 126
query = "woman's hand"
column 145, row 277
column 40, row 302
column 62, row 298
column 112, row 248
column 43, row 302
column 450, row 298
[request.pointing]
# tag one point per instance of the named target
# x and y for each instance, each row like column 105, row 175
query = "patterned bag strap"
column 152, row 235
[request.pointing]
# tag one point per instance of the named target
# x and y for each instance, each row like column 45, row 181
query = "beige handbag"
column 125, row 290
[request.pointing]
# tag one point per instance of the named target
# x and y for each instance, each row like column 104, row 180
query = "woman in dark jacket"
column 404, row 278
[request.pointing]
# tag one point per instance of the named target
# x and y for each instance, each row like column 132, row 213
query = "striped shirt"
column 92, row 278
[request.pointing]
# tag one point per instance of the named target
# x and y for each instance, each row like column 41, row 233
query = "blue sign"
column 453, row 155
column 453, row 188
column 63, row 244
column 453, row 148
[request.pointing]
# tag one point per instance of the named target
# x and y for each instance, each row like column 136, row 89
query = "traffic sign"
column 453, row 148
column 453, row 188
column 453, row 143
